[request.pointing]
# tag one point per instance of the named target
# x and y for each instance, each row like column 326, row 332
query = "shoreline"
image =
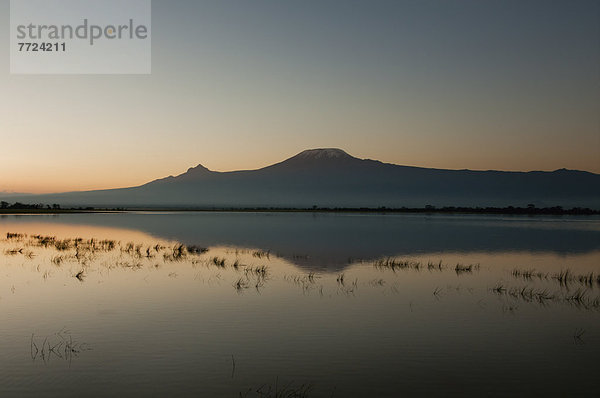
column 550, row 211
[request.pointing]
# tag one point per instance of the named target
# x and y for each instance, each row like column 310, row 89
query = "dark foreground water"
column 298, row 304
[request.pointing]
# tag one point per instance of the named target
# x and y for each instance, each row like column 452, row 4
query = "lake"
column 225, row 304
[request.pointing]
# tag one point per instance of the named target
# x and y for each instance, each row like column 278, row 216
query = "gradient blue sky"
column 510, row 85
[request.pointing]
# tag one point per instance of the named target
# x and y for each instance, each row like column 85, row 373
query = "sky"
column 238, row 84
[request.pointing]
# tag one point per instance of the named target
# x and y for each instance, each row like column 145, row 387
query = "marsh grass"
column 564, row 278
column 261, row 254
column 15, row 236
column 391, row 264
column 435, row 266
column 80, row 276
column 59, row 346
column 219, row 262
column 466, row 269
column 241, row 284
column 257, row 276
column 529, row 274
column 579, row 299
column 307, row 282
column 377, row 283
column 588, row 279
column 499, row 288
column 578, row 336
column 196, row 250
column 13, row 252
column 530, row 294
column 76, row 256
column 279, row 391
column 260, row 271
column 395, row 265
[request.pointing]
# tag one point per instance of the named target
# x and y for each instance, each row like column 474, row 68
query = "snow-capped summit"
column 323, row 153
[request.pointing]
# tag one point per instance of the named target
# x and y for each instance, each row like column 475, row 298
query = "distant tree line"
column 24, row 206
column 529, row 210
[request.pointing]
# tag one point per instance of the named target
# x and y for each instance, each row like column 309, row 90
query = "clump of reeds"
column 530, row 294
column 175, row 254
column 260, row 275
column 219, row 262
column 196, row 250
column 528, row 274
column 58, row 260
column 465, row 269
column 343, row 287
column 578, row 297
column 63, row 245
column 241, row 284
column 377, row 283
column 108, row 244
column 80, row 276
column 278, row 391
column 60, row 345
column 43, row 241
column 435, row 266
column 587, row 279
column 261, row 254
column 13, row 252
column 128, row 248
column 15, row 236
column 179, row 252
column 563, row 277
column 578, row 336
column 261, row 270
column 499, row 288
column 28, row 254
column 393, row 264
column 510, row 308
column 306, row 282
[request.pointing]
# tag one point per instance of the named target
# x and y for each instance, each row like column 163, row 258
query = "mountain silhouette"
column 333, row 178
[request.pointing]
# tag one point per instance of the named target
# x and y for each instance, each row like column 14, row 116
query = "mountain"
column 333, row 178
column 6, row 195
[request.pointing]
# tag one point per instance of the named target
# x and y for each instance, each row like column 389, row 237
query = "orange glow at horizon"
column 119, row 174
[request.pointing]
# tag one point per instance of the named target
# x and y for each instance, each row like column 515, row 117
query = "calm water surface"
column 250, row 304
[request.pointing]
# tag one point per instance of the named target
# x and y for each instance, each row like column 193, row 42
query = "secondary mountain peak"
column 198, row 170
column 193, row 173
